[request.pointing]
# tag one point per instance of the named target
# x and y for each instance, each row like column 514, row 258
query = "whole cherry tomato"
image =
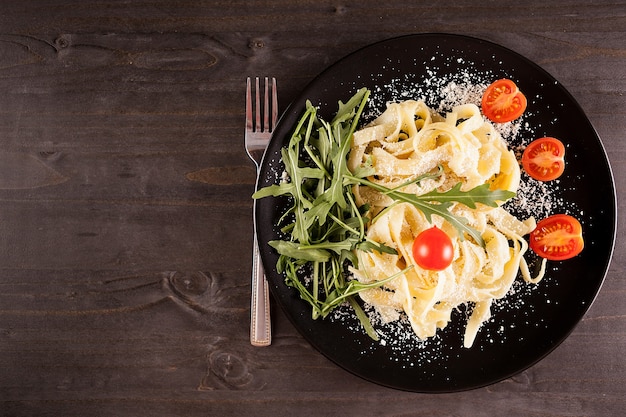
column 433, row 250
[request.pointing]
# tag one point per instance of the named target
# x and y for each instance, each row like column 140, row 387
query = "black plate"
column 532, row 320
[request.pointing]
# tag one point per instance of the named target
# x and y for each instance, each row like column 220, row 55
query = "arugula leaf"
column 439, row 203
column 297, row 251
column 480, row 194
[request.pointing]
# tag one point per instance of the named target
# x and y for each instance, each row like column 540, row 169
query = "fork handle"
column 260, row 324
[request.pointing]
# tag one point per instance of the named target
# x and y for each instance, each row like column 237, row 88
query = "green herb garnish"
column 435, row 202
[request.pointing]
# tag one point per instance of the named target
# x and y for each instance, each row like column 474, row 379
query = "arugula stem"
column 365, row 322
column 315, row 291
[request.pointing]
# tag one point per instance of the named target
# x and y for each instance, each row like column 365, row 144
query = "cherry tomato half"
column 502, row 101
column 544, row 159
column 557, row 237
column 432, row 249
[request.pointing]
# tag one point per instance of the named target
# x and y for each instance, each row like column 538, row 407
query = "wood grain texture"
column 125, row 210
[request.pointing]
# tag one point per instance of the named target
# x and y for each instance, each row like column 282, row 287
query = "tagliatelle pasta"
column 409, row 140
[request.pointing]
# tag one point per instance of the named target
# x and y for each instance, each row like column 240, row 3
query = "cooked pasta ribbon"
column 407, row 141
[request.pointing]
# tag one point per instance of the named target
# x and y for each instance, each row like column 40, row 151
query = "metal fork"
column 258, row 136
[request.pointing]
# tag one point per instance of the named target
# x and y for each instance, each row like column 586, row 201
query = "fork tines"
column 269, row 110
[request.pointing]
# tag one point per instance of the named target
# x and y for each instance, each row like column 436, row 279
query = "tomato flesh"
column 544, row 159
column 433, row 250
column 502, row 101
column 558, row 237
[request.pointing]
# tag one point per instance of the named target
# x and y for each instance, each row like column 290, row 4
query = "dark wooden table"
column 126, row 217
